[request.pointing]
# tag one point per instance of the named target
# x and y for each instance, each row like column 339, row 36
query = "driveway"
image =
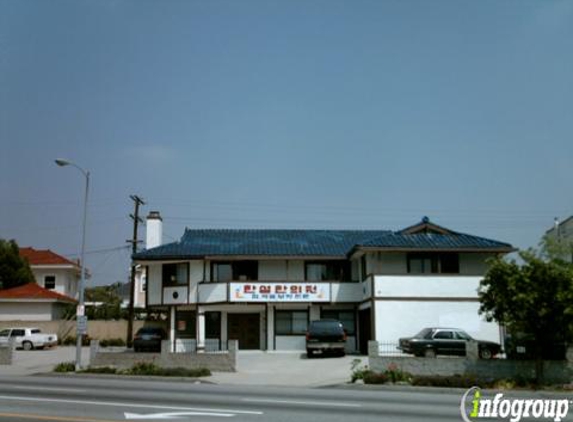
column 253, row 367
column 287, row 369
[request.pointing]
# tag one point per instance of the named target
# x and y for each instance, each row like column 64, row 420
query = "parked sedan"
column 445, row 341
column 149, row 339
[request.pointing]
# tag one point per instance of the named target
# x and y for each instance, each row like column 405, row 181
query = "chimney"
column 154, row 230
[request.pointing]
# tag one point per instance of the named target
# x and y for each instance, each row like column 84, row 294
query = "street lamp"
column 81, row 307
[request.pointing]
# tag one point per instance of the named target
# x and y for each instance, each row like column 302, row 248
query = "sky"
column 282, row 114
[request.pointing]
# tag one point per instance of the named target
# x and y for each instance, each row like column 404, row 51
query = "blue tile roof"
column 316, row 243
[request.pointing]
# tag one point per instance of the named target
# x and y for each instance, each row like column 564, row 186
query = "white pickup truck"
column 28, row 338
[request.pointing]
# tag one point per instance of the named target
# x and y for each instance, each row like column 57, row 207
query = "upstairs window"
column 175, row 275
column 433, row 263
column 50, row 282
column 327, row 271
column 235, row 270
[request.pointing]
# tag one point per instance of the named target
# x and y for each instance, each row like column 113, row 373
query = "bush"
column 71, row 341
column 358, row 371
column 65, row 367
column 100, row 370
column 375, row 378
column 150, row 368
column 455, row 381
column 113, row 342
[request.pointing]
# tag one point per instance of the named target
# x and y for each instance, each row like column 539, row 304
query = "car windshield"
column 156, row 331
column 424, row 333
column 35, row 331
column 325, row 326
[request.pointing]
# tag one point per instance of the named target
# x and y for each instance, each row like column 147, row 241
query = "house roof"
column 45, row 257
column 33, row 292
column 316, row 243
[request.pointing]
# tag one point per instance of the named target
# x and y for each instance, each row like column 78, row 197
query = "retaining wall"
column 123, row 359
column 6, row 353
column 554, row 371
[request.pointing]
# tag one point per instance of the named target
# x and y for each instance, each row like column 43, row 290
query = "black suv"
column 149, row 339
column 325, row 335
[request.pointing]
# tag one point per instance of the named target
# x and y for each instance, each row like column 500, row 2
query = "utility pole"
column 136, row 220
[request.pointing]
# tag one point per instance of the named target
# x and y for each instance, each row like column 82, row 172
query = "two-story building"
column 53, row 271
column 262, row 287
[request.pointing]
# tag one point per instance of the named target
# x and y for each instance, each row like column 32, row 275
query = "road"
column 82, row 399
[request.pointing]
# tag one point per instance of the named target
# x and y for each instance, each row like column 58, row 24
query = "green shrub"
column 375, row 378
column 455, row 381
column 150, row 368
column 395, row 374
column 358, row 370
column 65, row 367
column 71, row 341
column 112, row 342
column 100, row 370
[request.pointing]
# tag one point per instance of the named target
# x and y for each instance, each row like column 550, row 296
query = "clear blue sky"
column 283, row 114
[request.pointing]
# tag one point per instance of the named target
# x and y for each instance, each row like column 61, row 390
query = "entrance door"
column 246, row 328
column 365, row 329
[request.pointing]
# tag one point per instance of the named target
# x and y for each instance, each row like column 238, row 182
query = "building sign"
column 279, row 292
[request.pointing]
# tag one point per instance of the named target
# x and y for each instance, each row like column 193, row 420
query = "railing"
column 390, row 350
column 190, row 345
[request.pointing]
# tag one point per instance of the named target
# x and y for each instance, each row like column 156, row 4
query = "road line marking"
column 136, row 405
column 175, row 415
column 53, row 418
column 313, row 403
column 70, row 390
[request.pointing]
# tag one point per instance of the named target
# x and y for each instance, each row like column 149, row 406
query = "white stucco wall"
column 295, row 270
column 154, row 285
column 21, row 311
column 426, row 286
column 66, row 279
column 290, row 343
column 213, row 292
column 273, row 270
column 395, row 319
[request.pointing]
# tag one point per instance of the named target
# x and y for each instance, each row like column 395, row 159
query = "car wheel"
column 309, row 353
column 430, row 353
column 485, row 353
column 27, row 345
column 136, row 349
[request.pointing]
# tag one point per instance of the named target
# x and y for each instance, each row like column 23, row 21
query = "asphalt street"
column 102, row 399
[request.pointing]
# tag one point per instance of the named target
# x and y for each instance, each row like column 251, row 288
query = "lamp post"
column 80, row 312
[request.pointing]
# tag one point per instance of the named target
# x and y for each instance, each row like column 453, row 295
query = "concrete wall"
column 6, row 354
column 395, row 319
column 220, row 361
column 100, row 330
column 555, row 371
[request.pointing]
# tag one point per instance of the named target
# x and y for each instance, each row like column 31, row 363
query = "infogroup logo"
column 475, row 406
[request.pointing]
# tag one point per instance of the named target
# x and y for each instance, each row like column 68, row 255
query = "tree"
column 108, row 299
column 14, row 270
column 535, row 297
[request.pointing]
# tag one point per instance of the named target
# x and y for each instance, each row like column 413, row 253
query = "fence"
column 390, row 350
column 555, row 371
column 222, row 361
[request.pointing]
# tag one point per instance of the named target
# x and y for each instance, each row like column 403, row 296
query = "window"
column 235, row 270
column 17, row 333
column 427, row 263
column 327, row 270
column 447, row 335
column 213, row 325
column 345, row 317
column 185, row 324
column 175, row 275
column 291, row 323
column 50, row 282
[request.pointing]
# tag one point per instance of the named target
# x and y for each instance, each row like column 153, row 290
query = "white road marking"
column 313, row 403
column 42, row 388
column 174, row 415
column 136, row 405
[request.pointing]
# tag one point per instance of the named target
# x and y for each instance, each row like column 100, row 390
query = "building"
column 31, row 302
column 262, row 287
column 561, row 235
column 53, row 272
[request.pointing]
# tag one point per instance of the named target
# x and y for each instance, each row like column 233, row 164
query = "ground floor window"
column 185, row 324
column 291, row 323
column 213, row 325
column 347, row 318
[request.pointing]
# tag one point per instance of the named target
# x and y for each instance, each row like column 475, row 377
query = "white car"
column 28, row 338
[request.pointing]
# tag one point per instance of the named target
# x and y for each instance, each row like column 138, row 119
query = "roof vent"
column 425, row 219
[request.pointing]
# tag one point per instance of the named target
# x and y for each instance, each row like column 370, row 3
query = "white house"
column 262, row 287
column 53, row 272
column 31, row 302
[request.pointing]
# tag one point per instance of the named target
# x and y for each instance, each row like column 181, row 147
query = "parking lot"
column 254, row 367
